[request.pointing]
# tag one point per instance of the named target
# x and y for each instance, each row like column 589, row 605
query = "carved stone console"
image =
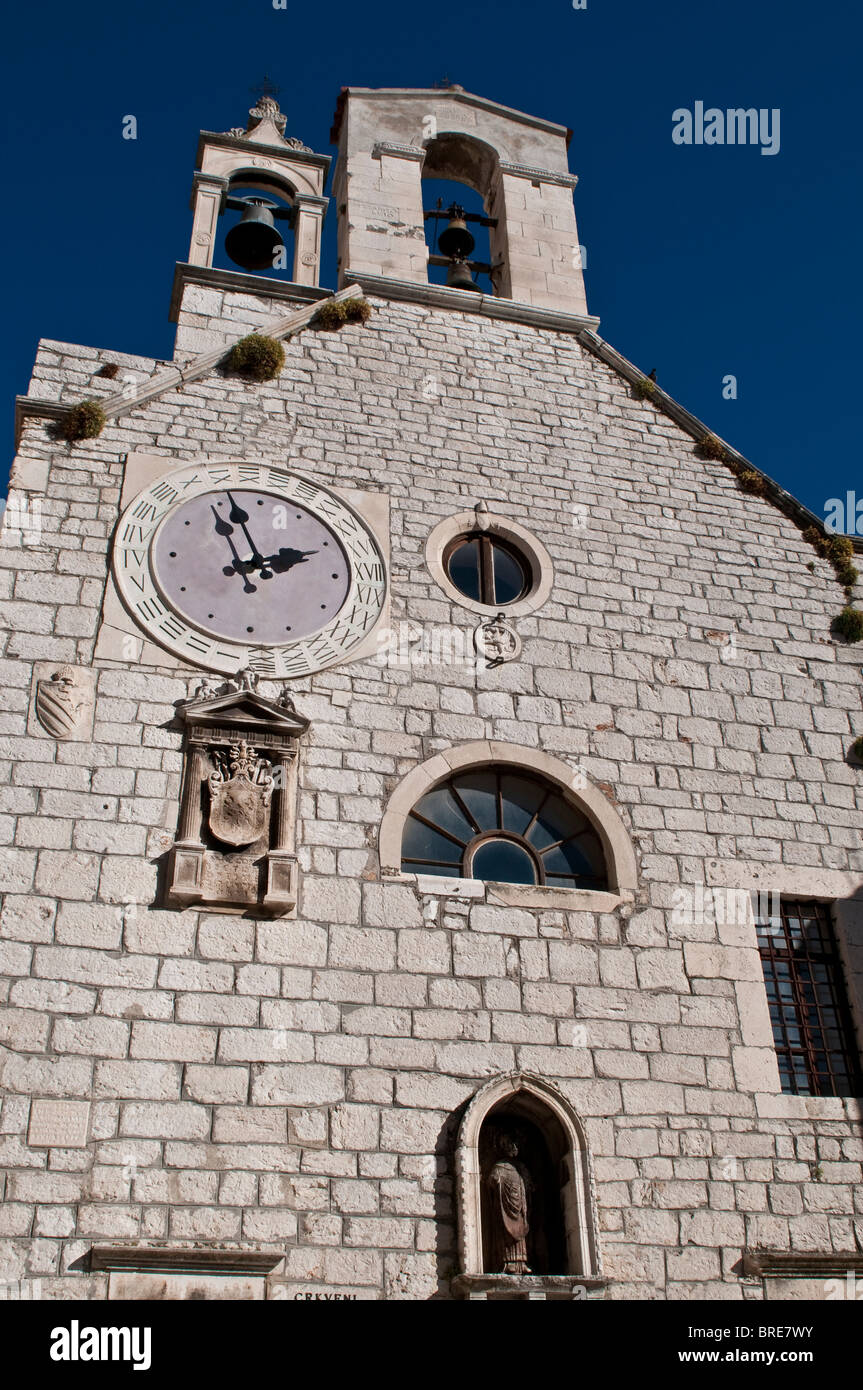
column 235, row 844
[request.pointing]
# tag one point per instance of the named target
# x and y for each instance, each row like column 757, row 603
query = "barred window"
column 812, row 1028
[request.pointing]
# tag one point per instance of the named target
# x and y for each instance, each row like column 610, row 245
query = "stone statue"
column 508, row 1186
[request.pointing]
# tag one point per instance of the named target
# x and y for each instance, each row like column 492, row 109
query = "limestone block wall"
column 295, row 1084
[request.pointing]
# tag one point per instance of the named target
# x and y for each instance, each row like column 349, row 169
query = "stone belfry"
column 431, row 857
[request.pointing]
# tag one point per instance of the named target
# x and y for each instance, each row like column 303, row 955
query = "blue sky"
column 702, row 261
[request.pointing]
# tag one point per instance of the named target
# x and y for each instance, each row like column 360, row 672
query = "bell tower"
column 291, row 177
column 391, row 139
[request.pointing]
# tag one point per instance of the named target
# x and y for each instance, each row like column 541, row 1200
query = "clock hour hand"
column 241, row 567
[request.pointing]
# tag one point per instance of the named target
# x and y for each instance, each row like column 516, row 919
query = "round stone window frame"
column 532, row 552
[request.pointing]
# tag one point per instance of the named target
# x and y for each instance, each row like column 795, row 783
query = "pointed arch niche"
column 562, row 1246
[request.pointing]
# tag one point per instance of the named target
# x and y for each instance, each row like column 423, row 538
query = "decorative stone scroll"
column 235, row 844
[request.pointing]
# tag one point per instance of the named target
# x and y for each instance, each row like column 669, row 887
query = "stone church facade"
column 498, row 937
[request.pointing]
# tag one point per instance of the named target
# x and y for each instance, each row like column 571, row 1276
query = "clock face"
column 232, row 565
column 246, row 566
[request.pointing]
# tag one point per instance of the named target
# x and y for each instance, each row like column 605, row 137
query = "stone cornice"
column 443, row 94
column 398, row 151
column 526, row 1287
column 213, row 180
column 439, row 296
column 434, row 296
column 171, row 377
column 800, row 1264
column 311, row 201
column 239, row 282
column 692, row 425
column 254, row 147
column 179, row 1261
column 526, row 171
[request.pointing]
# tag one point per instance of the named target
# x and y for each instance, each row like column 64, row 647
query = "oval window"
column 487, row 570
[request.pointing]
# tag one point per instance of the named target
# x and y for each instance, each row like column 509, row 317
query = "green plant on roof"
column 644, row 389
column 848, row 624
column 84, row 421
column 751, row 481
column 334, row 312
column 709, row 447
column 839, row 550
column 257, row 357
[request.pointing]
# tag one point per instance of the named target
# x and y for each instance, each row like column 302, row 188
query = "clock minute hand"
column 241, row 517
column 224, row 528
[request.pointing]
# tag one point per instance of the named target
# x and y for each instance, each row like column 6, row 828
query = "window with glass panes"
column 812, row 1028
column 486, row 569
column 501, row 825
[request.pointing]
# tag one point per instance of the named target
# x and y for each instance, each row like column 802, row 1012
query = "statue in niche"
column 509, row 1186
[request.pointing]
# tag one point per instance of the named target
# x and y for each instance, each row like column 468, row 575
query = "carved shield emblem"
column 238, row 813
column 60, row 702
column 239, row 803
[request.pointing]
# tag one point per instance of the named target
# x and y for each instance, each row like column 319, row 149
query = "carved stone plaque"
column 497, row 640
column 235, row 840
column 60, row 1124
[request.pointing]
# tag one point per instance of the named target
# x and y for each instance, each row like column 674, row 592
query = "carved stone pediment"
column 243, row 708
column 236, row 837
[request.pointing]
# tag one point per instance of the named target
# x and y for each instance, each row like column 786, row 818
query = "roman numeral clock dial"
column 234, row 565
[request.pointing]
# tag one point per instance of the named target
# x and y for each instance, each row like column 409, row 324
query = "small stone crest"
column 240, row 790
column 64, row 701
column 266, row 120
column 497, row 640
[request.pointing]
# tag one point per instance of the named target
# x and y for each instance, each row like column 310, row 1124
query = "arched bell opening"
column 464, row 239
column 256, row 226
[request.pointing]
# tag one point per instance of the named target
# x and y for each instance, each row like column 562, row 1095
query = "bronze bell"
column 455, row 240
column 254, row 241
column 458, row 277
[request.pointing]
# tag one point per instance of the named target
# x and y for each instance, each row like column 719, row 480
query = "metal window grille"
column 812, row 1027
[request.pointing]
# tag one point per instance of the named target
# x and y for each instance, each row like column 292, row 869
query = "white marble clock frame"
column 128, row 635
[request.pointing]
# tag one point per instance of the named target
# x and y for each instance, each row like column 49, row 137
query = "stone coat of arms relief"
column 235, row 842
column 241, row 787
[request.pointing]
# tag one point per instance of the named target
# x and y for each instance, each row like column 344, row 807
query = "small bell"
column 254, row 241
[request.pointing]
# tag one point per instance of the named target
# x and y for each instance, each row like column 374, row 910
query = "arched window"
column 505, row 825
column 537, row 815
